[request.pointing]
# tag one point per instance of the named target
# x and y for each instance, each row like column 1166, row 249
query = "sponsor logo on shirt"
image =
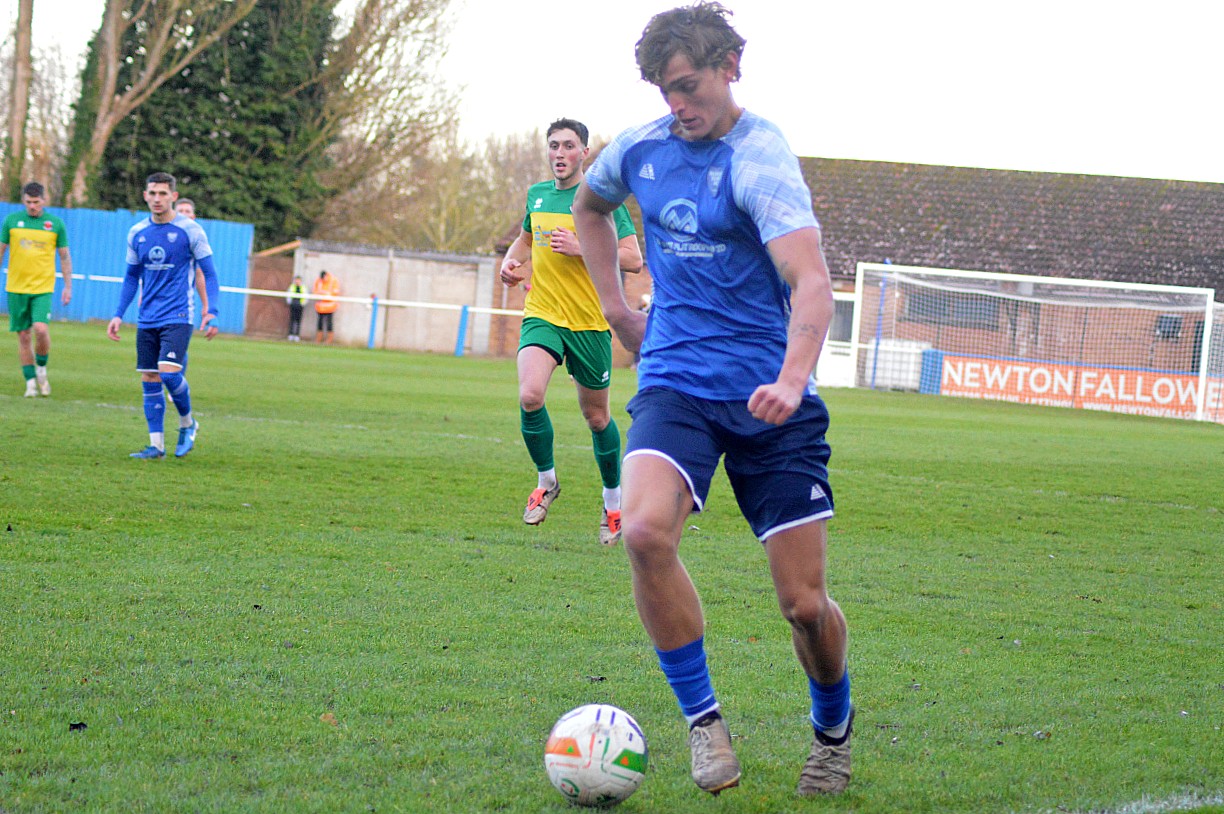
column 679, row 220
column 157, row 259
column 647, row 172
column 48, row 225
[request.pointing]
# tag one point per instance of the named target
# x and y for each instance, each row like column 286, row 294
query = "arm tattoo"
column 809, row 329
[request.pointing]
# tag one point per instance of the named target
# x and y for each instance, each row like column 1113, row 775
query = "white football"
column 596, row 755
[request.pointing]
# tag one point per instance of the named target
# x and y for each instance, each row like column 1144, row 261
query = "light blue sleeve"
column 132, row 257
column 199, row 240
column 768, row 183
column 606, row 178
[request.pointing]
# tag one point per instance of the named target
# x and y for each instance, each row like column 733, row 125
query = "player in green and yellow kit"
column 33, row 238
column 563, row 322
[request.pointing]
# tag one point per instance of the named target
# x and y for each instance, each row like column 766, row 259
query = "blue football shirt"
column 719, row 315
column 163, row 255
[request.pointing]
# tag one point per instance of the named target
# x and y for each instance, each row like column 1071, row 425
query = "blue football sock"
column 154, row 406
column 180, row 393
column 689, row 677
column 830, row 705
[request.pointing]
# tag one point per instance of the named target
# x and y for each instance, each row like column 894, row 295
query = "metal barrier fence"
column 374, row 303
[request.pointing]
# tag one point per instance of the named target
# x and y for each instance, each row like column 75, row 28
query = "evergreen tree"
column 239, row 126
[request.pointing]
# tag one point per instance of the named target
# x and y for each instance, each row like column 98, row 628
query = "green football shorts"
column 587, row 354
column 26, row 309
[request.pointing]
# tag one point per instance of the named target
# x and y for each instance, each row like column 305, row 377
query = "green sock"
column 27, row 371
column 538, row 436
column 41, row 361
column 607, row 444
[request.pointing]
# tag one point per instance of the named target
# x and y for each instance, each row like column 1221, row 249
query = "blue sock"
column 154, row 406
column 830, row 703
column 689, row 677
column 180, row 393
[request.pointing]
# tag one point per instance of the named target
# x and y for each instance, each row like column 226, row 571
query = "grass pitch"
column 333, row 605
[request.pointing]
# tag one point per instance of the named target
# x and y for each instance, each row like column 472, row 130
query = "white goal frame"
column 1142, row 348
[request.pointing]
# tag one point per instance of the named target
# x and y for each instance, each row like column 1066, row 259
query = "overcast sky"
column 1110, row 88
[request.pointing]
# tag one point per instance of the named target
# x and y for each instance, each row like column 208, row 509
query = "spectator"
column 296, row 298
column 326, row 288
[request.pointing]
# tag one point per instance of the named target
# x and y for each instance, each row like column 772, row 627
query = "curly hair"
column 700, row 31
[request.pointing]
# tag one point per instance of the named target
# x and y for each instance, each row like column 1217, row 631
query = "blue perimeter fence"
column 98, row 242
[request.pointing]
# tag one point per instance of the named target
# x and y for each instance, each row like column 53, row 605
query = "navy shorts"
column 164, row 345
column 780, row 475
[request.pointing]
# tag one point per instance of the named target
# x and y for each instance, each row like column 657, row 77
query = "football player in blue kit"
column 742, row 303
column 163, row 250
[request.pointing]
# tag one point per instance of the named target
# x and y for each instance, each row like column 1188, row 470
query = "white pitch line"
column 1147, row 805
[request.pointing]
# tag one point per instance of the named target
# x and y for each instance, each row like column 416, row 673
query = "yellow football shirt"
column 32, row 243
column 561, row 289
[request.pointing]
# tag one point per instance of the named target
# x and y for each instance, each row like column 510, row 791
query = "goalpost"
column 1098, row 345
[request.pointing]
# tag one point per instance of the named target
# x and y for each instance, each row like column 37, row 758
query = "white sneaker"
column 31, row 389
column 44, row 386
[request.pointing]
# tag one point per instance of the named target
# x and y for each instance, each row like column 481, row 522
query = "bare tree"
column 171, row 34
column 6, row 80
column 49, row 119
column 384, row 103
column 19, row 101
column 452, row 197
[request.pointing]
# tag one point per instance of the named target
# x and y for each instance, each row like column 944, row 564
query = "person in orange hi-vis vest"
column 325, row 287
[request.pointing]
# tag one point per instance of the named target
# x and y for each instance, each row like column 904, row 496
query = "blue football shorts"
column 163, row 345
column 780, row 475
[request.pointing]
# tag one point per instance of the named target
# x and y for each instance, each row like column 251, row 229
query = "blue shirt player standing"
column 162, row 252
column 742, row 303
